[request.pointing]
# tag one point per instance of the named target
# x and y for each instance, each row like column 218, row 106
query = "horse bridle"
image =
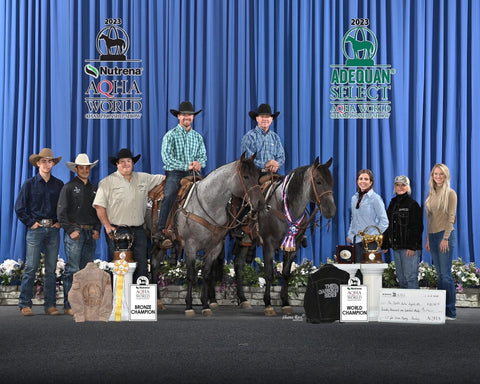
column 318, row 201
column 216, row 228
column 318, row 198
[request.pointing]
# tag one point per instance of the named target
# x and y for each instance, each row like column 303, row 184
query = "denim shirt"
column 268, row 146
column 371, row 212
column 38, row 200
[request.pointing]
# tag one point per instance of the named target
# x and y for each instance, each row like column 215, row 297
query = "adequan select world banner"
column 359, row 89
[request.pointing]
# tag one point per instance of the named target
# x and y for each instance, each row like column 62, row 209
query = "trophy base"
column 123, row 254
column 372, row 258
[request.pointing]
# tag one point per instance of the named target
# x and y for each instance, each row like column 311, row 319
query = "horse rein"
column 318, row 200
column 217, row 228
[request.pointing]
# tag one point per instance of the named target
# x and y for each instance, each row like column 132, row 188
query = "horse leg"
column 239, row 263
column 190, row 263
column 156, row 265
column 208, row 283
column 288, row 258
column 268, row 262
column 217, row 275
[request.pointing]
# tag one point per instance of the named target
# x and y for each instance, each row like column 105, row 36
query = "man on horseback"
column 263, row 141
column 183, row 152
column 269, row 149
column 120, row 205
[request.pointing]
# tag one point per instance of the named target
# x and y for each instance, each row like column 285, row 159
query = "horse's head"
column 322, row 188
column 248, row 188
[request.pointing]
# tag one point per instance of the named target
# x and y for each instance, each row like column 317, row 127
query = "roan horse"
column 306, row 184
column 203, row 221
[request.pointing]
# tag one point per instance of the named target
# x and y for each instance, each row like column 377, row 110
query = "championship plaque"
column 345, row 254
column 370, row 255
column 123, row 245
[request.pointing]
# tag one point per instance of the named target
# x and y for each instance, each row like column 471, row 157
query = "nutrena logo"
column 91, row 70
column 114, row 91
column 359, row 89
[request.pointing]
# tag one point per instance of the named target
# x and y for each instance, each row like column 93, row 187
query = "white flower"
column 102, row 264
column 9, row 265
column 280, row 267
column 261, row 282
column 294, row 266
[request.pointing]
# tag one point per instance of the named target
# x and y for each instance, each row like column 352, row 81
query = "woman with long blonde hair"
column 441, row 209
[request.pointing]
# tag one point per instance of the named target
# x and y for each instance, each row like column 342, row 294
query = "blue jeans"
column 443, row 265
column 48, row 240
column 407, row 268
column 79, row 252
column 139, row 249
column 172, row 185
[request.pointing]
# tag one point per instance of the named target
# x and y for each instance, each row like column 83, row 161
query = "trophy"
column 123, row 245
column 345, row 254
column 371, row 255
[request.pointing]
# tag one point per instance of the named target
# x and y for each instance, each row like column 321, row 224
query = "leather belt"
column 84, row 226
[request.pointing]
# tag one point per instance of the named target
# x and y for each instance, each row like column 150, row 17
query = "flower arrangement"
column 464, row 275
column 11, row 272
column 427, row 275
column 253, row 275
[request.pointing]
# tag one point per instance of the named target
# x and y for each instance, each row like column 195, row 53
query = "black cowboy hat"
column 185, row 107
column 263, row 109
column 123, row 154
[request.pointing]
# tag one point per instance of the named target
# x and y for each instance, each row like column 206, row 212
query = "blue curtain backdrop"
column 228, row 56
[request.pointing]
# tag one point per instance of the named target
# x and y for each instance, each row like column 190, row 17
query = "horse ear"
column 242, row 158
column 316, row 163
column 253, row 156
column 328, row 163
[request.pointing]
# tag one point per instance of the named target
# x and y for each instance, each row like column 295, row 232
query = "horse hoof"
column 245, row 305
column 189, row 313
column 161, row 306
column 207, row 312
column 269, row 311
column 213, row 306
column 287, row 310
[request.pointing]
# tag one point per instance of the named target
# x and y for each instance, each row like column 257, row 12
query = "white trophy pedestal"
column 350, row 268
column 121, row 296
column 372, row 278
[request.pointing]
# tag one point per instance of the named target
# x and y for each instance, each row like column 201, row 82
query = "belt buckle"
column 46, row 223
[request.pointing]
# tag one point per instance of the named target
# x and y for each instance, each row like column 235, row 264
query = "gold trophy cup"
column 371, row 256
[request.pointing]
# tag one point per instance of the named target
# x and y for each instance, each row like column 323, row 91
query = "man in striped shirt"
column 183, row 152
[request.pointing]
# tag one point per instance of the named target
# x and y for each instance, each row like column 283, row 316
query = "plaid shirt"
column 180, row 148
column 268, row 146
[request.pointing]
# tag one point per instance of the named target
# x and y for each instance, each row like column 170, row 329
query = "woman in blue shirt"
column 368, row 209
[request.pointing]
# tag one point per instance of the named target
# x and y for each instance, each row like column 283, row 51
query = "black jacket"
column 405, row 224
column 75, row 206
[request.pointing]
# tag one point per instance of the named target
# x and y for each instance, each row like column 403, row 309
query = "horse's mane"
column 296, row 182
